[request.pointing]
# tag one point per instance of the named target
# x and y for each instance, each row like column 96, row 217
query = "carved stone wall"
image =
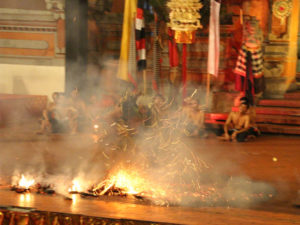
column 32, row 47
column 28, row 34
column 281, row 48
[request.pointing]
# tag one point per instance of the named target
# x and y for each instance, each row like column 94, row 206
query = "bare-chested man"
column 193, row 118
column 237, row 124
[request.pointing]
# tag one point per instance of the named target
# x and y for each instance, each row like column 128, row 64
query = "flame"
column 130, row 182
column 26, row 182
column 76, row 186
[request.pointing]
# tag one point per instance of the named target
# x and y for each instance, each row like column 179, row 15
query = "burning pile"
column 27, row 184
column 76, row 187
column 156, row 165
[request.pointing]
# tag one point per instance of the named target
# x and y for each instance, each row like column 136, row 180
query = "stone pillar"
column 281, row 51
column 292, row 57
column 76, row 44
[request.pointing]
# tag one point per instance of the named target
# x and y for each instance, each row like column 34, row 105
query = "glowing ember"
column 130, row 183
column 126, row 182
column 26, row 182
column 76, row 187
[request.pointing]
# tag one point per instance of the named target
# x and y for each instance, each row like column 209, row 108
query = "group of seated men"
column 71, row 114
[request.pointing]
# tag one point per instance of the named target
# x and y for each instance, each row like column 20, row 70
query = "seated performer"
column 193, row 118
column 47, row 114
column 238, row 123
column 54, row 116
column 253, row 130
column 157, row 111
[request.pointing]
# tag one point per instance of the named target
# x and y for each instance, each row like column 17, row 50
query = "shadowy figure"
column 54, row 116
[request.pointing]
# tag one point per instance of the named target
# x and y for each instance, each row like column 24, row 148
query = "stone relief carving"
column 273, row 69
column 281, row 12
column 55, row 4
column 57, row 7
column 275, row 83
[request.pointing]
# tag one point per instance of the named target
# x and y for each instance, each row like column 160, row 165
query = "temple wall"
column 31, row 79
column 34, row 35
column 292, row 57
column 32, row 47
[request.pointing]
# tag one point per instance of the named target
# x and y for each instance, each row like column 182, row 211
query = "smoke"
column 161, row 161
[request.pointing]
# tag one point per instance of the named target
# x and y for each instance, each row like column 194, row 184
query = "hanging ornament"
column 184, row 19
column 282, row 9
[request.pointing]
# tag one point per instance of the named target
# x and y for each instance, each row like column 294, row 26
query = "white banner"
column 214, row 38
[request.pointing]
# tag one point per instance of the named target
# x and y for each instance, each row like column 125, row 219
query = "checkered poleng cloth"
column 256, row 61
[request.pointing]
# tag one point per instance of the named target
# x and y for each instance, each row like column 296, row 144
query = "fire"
column 26, row 182
column 129, row 182
column 76, row 186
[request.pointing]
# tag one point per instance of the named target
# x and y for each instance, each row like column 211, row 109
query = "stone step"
column 278, row 119
column 279, row 129
column 276, row 124
column 219, row 118
column 216, row 116
column 292, row 95
column 275, row 111
column 292, row 103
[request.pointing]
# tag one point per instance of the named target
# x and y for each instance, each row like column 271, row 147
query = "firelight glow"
column 26, row 182
column 76, row 187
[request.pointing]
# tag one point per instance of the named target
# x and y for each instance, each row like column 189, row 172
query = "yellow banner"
column 128, row 20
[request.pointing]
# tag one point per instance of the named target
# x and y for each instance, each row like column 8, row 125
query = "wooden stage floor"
column 272, row 159
column 173, row 215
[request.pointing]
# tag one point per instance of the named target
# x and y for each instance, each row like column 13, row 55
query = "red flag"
column 140, row 36
column 173, row 51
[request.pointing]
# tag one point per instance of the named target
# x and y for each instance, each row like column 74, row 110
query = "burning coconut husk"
column 76, row 187
column 25, row 184
column 28, row 184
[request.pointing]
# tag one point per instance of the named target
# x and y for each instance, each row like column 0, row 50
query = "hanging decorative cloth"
column 249, row 71
column 256, row 58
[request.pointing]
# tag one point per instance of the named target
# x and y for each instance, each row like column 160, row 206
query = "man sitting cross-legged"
column 237, row 124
